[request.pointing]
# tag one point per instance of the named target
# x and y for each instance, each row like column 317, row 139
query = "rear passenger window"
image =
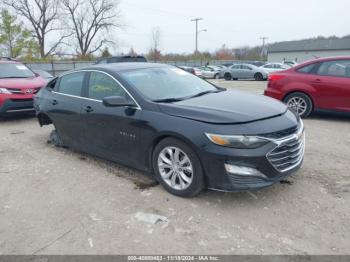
column 306, row 69
column 102, row 85
column 339, row 68
column 72, row 84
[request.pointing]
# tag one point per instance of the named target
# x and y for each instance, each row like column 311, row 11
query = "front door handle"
column 54, row 102
column 88, row 109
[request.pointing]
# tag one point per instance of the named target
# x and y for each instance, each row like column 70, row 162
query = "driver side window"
column 102, row 85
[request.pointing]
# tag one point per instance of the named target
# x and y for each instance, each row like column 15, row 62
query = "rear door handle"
column 88, row 109
column 316, row 81
column 54, row 102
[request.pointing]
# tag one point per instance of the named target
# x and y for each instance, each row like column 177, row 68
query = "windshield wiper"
column 168, row 100
column 171, row 100
column 205, row 92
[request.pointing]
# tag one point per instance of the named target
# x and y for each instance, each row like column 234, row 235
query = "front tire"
column 178, row 168
column 227, row 76
column 56, row 139
column 299, row 103
column 258, row 77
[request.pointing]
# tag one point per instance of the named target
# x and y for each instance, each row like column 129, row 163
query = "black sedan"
column 189, row 133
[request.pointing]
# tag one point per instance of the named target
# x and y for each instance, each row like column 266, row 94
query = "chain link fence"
column 56, row 68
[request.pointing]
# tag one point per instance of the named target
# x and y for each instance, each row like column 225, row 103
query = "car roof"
column 332, row 58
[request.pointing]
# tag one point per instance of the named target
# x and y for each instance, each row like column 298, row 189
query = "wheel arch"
column 182, row 138
column 44, row 119
column 299, row 91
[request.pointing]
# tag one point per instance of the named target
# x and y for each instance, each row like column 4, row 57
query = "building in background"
column 304, row 50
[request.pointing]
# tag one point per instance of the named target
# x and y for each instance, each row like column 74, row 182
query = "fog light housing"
column 243, row 171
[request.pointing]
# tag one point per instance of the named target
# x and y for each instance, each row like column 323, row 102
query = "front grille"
column 22, row 100
column 281, row 134
column 19, row 91
column 288, row 154
column 15, row 90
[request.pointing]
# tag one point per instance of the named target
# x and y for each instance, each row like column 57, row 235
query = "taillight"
column 275, row 77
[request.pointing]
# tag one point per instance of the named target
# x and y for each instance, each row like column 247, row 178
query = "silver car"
column 212, row 72
column 244, row 71
column 275, row 67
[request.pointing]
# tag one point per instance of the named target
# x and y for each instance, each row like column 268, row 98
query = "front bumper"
column 272, row 163
column 16, row 106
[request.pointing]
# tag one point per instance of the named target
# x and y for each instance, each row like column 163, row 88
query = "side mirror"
column 36, row 74
column 117, row 101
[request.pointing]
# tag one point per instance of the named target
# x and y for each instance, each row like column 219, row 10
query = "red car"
column 318, row 85
column 18, row 84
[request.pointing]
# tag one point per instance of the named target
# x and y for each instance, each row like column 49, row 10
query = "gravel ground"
column 54, row 201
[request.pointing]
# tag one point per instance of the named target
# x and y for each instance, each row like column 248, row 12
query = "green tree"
column 14, row 36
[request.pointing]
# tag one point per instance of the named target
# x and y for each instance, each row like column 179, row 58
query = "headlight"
column 4, row 91
column 240, row 142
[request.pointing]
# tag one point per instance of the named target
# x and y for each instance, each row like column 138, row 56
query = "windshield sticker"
column 180, row 72
column 21, row 67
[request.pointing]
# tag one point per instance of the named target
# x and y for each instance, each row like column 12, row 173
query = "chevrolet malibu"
column 160, row 119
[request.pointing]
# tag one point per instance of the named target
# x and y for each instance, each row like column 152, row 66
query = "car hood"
column 23, row 83
column 229, row 107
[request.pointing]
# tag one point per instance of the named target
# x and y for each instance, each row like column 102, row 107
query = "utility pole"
column 196, row 20
column 264, row 38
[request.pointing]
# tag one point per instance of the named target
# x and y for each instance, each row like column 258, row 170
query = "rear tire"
column 258, row 77
column 228, row 76
column 299, row 103
column 178, row 168
column 217, row 76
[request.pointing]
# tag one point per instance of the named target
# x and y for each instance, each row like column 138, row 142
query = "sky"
column 232, row 22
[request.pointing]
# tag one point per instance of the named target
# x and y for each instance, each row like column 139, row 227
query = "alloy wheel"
column 175, row 168
column 298, row 104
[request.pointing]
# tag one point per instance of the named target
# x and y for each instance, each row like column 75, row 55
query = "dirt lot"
column 53, row 201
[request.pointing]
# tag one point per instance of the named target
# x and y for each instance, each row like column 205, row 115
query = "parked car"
column 212, row 72
column 222, row 67
column 256, row 63
column 274, row 67
column 18, row 84
column 121, row 59
column 291, row 63
column 244, row 71
column 157, row 118
column 44, row 74
column 321, row 84
column 227, row 64
column 193, row 70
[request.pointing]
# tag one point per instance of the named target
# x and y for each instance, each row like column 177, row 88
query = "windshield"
column 15, row 70
column 167, row 83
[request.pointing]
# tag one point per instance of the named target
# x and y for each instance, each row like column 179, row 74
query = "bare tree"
column 91, row 21
column 154, row 53
column 42, row 15
column 156, row 36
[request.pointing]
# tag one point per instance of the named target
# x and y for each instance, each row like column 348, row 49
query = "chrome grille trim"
column 23, row 91
column 289, row 151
